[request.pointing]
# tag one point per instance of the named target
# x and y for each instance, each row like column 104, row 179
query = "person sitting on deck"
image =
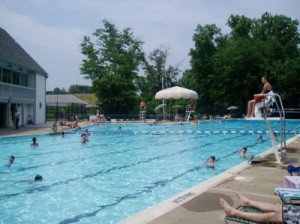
column 271, row 213
column 62, row 122
column 177, row 118
column 54, row 126
column 227, row 116
column 73, row 125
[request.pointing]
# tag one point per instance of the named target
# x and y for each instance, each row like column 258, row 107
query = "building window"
column 24, row 80
column 16, row 78
column 40, row 105
column 6, row 76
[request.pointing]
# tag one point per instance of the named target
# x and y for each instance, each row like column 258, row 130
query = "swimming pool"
column 119, row 172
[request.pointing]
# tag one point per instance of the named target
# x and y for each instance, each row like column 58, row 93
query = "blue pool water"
column 119, row 172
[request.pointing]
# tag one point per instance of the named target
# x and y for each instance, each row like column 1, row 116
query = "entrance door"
column 3, row 115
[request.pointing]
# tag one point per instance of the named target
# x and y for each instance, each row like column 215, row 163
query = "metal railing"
column 281, row 112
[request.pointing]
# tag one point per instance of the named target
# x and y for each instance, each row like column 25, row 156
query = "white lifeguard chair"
column 189, row 109
column 262, row 114
column 267, row 102
column 143, row 111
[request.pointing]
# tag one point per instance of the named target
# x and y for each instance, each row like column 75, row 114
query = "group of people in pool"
column 12, row 159
column 211, row 161
column 242, row 152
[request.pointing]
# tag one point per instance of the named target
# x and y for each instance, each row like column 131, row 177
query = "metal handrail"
column 281, row 112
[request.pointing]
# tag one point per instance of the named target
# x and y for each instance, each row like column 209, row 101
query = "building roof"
column 63, row 100
column 12, row 52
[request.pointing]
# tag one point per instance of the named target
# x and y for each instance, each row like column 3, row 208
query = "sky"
column 51, row 30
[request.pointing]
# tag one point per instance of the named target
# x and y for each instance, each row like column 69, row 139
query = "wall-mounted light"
column 9, row 99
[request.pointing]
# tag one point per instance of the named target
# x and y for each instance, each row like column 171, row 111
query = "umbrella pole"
column 164, row 109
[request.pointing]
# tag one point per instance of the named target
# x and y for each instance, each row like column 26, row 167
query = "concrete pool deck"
column 200, row 204
column 35, row 129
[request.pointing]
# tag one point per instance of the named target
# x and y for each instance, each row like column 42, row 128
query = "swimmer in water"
column 10, row 161
column 211, row 162
column 242, row 152
column 37, row 178
column 34, row 143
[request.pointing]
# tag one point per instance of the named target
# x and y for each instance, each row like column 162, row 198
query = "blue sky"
column 51, row 30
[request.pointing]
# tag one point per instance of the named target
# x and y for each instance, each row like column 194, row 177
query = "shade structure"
column 176, row 92
column 177, row 106
column 159, row 106
column 232, row 108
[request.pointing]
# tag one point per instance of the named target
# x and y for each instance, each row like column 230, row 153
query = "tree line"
column 225, row 69
column 73, row 89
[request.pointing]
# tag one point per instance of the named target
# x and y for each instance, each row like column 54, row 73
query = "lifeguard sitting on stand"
column 192, row 106
column 142, row 106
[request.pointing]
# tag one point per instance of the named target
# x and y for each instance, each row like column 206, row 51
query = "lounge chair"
column 240, row 220
column 288, row 195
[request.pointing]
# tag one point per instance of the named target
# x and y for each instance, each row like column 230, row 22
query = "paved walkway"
column 33, row 129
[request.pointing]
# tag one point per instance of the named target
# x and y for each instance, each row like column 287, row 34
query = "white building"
column 22, row 84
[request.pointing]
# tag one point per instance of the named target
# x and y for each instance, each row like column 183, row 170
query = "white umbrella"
column 91, row 106
column 232, row 108
column 176, row 92
column 177, row 106
column 159, row 106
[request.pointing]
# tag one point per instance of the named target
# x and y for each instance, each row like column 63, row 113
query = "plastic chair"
column 270, row 99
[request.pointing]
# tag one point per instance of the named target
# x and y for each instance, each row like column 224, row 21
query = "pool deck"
column 35, row 129
column 200, row 204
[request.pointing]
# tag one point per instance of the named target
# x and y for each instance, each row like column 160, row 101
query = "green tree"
column 157, row 74
column 201, row 76
column 73, row 89
column 58, row 90
column 226, row 69
column 277, row 39
column 112, row 63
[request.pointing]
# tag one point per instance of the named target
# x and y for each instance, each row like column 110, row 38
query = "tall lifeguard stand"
column 143, row 110
column 189, row 109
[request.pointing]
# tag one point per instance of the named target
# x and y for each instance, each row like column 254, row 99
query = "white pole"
column 162, row 87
